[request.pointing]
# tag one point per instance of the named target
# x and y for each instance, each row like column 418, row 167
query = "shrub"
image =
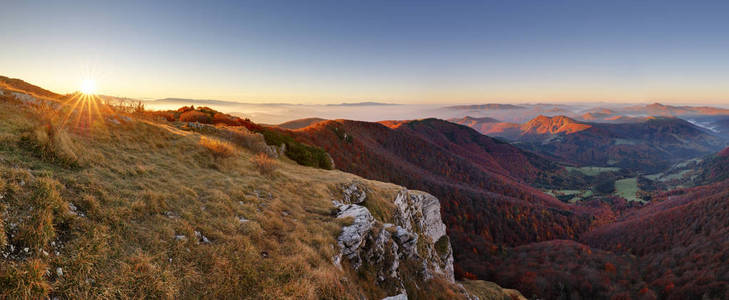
column 221, row 118
column 302, row 154
column 264, row 164
column 195, row 116
column 166, row 115
column 218, row 148
column 442, row 245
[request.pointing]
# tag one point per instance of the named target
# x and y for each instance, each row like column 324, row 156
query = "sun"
column 88, row 86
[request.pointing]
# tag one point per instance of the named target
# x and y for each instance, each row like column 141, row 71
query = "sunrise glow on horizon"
column 397, row 52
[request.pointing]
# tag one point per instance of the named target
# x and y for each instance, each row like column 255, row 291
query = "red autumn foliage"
column 195, row 116
column 504, row 230
column 481, row 182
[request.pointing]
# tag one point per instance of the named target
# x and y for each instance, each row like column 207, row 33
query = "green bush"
column 301, row 153
column 441, row 246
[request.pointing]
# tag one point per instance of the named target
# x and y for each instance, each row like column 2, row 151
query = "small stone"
column 26, row 249
column 59, row 271
column 402, row 296
column 180, row 237
column 202, row 237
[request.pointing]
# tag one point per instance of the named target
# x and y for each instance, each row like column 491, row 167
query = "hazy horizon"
column 269, row 113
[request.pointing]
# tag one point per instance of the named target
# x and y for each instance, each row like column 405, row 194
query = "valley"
column 561, row 211
column 364, row 150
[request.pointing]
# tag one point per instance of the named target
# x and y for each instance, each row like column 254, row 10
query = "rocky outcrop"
column 416, row 237
column 354, row 193
column 354, row 236
column 419, row 212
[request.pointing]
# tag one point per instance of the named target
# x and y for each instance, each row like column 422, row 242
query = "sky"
column 387, row 51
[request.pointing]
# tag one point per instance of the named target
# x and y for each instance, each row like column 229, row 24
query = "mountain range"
column 649, row 145
column 195, row 203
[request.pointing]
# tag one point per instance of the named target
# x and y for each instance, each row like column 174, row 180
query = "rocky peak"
column 553, row 125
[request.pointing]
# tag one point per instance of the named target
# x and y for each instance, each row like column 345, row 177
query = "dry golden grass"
column 24, row 280
column 264, row 163
column 138, row 186
column 219, row 149
column 250, row 140
column 141, row 194
column 490, row 291
column 52, row 143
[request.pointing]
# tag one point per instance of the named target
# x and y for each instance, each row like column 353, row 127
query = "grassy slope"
column 138, row 188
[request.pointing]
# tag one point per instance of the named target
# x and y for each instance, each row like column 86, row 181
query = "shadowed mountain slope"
column 300, row 123
column 650, row 145
column 480, row 181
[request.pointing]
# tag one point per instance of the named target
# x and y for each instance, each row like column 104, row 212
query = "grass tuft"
column 218, row 148
column 264, row 164
column 53, row 144
column 24, row 280
column 45, row 203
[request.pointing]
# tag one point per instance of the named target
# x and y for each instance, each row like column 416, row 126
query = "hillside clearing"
column 628, row 189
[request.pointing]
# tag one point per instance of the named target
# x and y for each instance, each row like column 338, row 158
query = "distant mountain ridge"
column 486, row 106
column 490, row 126
column 658, row 109
column 368, row 103
column 183, row 101
column 648, row 143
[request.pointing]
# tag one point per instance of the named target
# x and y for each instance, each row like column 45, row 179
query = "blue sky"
column 394, row 51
